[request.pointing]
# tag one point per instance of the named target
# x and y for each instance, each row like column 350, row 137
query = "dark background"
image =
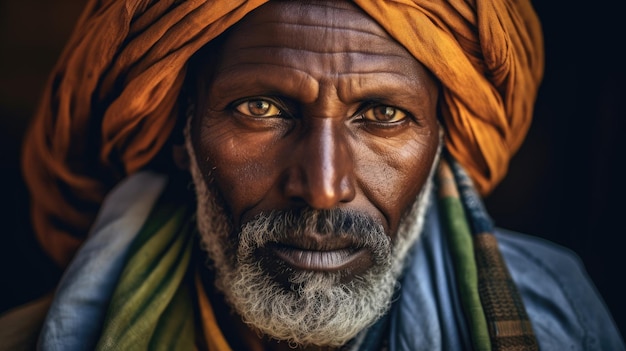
column 565, row 184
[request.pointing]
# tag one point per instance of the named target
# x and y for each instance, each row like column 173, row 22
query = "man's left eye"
column 258, row 108
column 385, row 114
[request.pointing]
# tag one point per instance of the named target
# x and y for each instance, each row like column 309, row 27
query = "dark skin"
column 314, row 105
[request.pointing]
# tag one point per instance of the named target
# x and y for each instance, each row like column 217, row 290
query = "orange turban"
column 108, row 107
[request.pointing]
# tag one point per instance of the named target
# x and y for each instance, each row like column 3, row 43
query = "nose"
column 322, row 171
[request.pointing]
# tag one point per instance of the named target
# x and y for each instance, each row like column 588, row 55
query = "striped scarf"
column 492, row 304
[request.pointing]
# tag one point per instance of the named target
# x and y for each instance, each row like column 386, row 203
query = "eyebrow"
column 243, row 80
column 395, row 87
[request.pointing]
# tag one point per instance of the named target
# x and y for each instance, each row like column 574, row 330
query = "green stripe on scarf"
column 465, row 267
column 150, row 308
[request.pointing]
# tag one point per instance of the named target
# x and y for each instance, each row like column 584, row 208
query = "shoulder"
column 533, row 255
column 563, row 304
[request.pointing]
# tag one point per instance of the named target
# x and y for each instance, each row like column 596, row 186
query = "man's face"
column 317, row 132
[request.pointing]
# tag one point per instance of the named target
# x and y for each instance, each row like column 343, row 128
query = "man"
column 327, row 143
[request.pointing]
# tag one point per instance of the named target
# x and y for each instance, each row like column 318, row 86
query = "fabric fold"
column 77, row 313
column 151, row 299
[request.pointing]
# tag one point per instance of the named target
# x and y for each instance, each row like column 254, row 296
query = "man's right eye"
column 258, row 108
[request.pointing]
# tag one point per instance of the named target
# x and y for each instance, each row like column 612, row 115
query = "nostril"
column 348, row 190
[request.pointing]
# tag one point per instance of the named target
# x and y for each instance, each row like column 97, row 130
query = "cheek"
column 393, row 172
column 240, row 165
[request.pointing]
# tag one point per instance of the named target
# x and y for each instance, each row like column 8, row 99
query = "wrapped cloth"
column 110, row 103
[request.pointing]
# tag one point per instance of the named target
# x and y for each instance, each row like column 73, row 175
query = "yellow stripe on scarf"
column 213, row 336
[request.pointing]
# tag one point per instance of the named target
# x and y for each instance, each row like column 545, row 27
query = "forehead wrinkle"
column 316, row 21
column 325, row 27
column 306, row 61
column 311, row 13
column 342, row 64
column 320, row 52
column 327, row 43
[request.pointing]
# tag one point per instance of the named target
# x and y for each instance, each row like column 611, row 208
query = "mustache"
column 284, row 225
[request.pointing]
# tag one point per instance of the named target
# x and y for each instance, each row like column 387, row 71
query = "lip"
column 319, row 260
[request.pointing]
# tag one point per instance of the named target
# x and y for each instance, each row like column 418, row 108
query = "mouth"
column 327, row 260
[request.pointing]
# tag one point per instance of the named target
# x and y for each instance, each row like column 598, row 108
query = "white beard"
column 319, row 309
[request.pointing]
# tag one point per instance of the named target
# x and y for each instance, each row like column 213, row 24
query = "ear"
column 180, row 156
